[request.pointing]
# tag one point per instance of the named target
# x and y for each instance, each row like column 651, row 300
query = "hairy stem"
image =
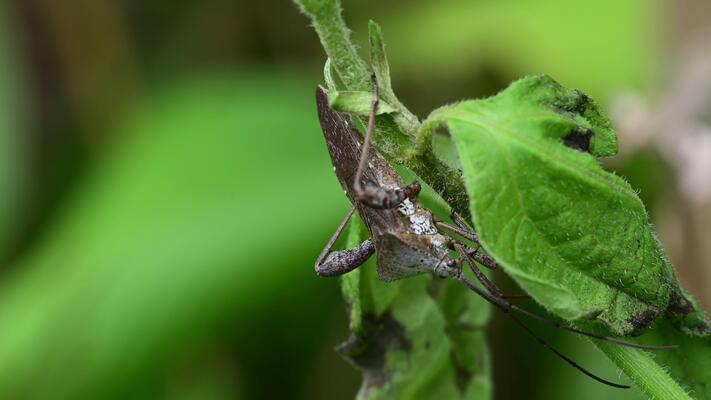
column 326, row 18
column 649, row 376
column 395, row 138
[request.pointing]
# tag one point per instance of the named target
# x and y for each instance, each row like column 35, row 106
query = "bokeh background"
column 165, row 188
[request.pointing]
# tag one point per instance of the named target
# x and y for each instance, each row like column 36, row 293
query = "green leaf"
column 351, row 101
column 405, row 120
column 357, row 103
column 549, row 211
column 378, row 59
column 574, row 236
column 415, row 339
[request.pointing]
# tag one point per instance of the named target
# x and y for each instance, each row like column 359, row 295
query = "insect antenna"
column 590, row 334
column 499, row 303
column 564, row 357
column 506, row 307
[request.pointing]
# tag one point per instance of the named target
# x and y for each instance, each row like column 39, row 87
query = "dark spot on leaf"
column 700, row 329
column 443, row 130
column 572, row 105
column 579, row 139
column 581, row 102
column 682, row 312
column 679, row 305
column 369, row 349
column 641, row 321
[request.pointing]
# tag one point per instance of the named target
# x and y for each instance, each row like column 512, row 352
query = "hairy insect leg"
column 460, row 222
column 486, row 260
column 488, row 284
column 340, row 262
column 463, row 231
column 373, row 195
column 477, row 254
column 474, row 253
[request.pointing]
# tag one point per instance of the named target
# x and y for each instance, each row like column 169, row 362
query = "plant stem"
column 397, row 142
column 326, row 18
column 644, row 371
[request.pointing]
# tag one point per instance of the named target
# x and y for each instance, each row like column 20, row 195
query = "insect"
column 405, row 236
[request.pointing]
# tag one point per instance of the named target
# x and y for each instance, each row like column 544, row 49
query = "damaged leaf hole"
column 579, row 139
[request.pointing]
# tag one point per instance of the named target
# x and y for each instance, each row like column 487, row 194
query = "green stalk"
column 641, row 368
column 326, row 18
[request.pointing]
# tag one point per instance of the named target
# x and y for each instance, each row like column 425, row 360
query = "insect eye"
column 579, row 139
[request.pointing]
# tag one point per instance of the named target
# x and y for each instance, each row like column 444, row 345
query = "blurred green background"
column 165, row 188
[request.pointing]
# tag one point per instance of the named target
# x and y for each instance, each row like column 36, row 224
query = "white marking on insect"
column 437, row 241
column 420, row 225
column 406, row 207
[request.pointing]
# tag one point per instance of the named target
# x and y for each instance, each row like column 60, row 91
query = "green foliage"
column 574, row 236
column 606, row 45
column 12, row 144
column 566, row 230
column 177, row 231
column 419, row 338
column 690, row 364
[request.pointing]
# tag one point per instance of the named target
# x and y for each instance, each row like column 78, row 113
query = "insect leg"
column 462, row 230
column 373, row 195
column 474, row 253
column 465, row 233
column 339, row 262
column 460, row 222
column 488, row 284
column 482, row 258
